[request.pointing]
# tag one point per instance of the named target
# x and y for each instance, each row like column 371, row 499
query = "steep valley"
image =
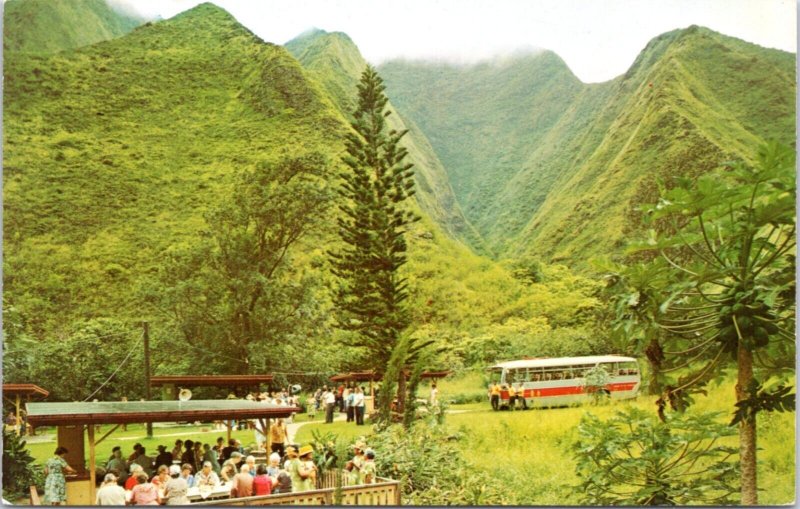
column 546, row 166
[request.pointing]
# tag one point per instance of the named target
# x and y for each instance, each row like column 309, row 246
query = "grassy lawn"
column 533, row 446
column 41, row 451
column 347, row 431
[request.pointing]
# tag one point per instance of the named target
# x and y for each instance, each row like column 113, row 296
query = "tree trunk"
column 401, row 392
column 747, row 431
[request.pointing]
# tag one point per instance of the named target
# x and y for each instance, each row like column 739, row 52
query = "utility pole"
column 146, row 332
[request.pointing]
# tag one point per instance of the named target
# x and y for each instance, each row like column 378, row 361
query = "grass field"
column 527, row 452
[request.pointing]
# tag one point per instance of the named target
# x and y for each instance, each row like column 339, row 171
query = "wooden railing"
column 384, row 492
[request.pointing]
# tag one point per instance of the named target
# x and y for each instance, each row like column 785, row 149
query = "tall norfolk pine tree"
column 371, row 295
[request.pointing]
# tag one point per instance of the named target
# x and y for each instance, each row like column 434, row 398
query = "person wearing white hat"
column 369, row 472
column 131, row 482
column 176, row 489
column 110, row 493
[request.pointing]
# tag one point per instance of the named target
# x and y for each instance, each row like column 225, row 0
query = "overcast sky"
column 598, row 39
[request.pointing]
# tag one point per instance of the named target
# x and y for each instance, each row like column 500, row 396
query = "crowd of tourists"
column 166, row 478
column 344, row 398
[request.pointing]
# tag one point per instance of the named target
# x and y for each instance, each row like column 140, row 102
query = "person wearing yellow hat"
column 306, row 458
column 301, row 469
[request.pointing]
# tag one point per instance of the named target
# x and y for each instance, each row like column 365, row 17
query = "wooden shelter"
column 18, row 392
column 170, row 383
column 72, row 419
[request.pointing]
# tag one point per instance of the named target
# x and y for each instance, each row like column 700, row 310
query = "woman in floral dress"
column 55, row 485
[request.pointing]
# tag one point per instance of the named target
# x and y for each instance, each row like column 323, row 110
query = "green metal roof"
column 116, row 412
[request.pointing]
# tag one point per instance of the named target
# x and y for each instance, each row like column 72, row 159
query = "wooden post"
column 19, row 417
column 229, row 425
column 146, row 332
column 92, row 473
column 267, row 439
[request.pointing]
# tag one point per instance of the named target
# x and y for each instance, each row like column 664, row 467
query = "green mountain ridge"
column 334, row 61
column 44, row 26
column 114, row 152
column 563, row 184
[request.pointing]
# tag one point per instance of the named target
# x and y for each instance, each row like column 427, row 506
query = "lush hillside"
column 562, row 182
column 333, row 60
column 116, row 151
column 118, row 159
column 46, row 26
column 483, row 121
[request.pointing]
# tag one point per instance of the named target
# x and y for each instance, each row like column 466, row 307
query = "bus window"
column 567, row 374
column 511, row 376
column 628, row 368
column 495, row 376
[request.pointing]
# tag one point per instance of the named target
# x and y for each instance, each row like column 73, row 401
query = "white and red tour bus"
column 560, row 381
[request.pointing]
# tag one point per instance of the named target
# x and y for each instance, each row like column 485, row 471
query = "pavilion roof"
column 435, row 374
column 211, row 380
column 356, row 376
column 365, row 376
column 118, row 412
column 24, row 390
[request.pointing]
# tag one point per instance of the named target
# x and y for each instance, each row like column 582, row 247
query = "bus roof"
column 560, row 361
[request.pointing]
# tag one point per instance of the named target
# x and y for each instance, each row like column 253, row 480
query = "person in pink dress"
column 145, row 493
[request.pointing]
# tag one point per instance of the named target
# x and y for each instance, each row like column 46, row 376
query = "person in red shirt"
column 131, row 482
column 262, row 484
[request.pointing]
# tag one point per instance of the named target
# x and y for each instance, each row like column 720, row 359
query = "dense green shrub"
column 635, row 459
column 428, row 463
column 18, row 471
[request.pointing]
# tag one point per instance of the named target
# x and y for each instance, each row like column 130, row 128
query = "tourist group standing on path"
column 345, row 399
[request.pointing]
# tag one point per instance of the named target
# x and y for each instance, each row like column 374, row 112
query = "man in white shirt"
column 330, row 401
column 206, row 477
column 110, row 493
column 358, row 403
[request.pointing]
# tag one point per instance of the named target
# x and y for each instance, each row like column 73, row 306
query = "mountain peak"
column 311, row 33
column 205, row 21
column 43, row 26
column 316, row 36
column 205, row 10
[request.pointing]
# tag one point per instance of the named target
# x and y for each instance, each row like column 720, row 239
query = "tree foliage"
column 241, row 289
column 18, row 470
column 722, row 290
column 372, row 293
column 634, row 459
